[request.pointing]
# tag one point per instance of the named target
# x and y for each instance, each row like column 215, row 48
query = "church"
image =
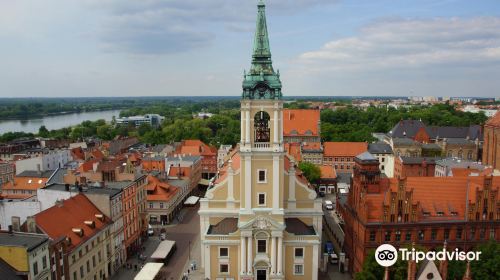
column 261, row 219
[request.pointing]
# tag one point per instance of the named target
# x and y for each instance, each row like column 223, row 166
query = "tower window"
column 261, row 126
column 262, row 176
column 262, row 199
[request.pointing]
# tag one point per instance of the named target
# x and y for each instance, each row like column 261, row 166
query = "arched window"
column 469, row 155
column 261, row 126
column 460, row 154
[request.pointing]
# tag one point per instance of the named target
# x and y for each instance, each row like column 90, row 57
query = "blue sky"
column 61, row 48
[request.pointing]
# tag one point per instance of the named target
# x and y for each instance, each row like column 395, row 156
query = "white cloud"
column 156, row 26
column 410, row 43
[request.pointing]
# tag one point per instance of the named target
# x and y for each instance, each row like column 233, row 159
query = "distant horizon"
column 238, row 97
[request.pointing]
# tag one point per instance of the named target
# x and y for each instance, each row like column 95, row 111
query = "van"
column 334, row 259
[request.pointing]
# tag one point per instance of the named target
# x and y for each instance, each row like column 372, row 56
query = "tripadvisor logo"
column 386, row 255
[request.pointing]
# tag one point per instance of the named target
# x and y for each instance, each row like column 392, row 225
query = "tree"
column 43, row 131
column 488, row 265
column 311, row 171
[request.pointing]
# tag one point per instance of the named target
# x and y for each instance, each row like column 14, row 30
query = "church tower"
column 261, row 219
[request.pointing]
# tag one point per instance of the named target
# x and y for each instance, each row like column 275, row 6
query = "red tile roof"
column 196, row 148
column 311, row 146
column 495, row 120
column 300, row 121
column 25, row 183
column 432, row 194
column 293, row 149
column 161, row 191
column 60, row 220
column 327, row 172
column 343, row 149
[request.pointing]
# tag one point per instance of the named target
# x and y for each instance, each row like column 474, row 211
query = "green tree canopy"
column 311, row 171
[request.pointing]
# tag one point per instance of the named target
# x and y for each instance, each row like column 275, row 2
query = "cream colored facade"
column 93, row 258
column 283, row 197
column 261, row 219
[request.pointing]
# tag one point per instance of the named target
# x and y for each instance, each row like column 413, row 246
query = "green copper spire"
column 261, row 58
column 261, row 82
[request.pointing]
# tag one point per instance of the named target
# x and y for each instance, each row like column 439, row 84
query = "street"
column 184, row 233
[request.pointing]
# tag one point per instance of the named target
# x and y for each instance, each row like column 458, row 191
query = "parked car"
column 333, row 258
column 321, row 193
column 151, row 231
column 328, row 205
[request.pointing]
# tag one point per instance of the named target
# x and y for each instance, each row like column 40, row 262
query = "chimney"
column 31, row 225
column 59, row 203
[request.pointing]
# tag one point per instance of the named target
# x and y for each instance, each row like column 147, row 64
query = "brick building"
column 414, row 138
column 415, row 166
column 425, row 210
column 491, row 147
column 134, row 213
column 341, row 154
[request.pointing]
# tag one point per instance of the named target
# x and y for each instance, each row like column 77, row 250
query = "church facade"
column 261, row 219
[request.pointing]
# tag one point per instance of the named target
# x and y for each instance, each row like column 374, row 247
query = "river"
column 55, row 122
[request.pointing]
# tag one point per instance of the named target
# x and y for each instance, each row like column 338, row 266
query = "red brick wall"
column 491, row 146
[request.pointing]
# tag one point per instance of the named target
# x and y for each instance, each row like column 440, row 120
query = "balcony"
column 262, row 145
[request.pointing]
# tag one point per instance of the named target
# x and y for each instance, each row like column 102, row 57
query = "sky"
column 89, row 48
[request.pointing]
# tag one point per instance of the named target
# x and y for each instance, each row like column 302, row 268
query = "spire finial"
column 261, row 57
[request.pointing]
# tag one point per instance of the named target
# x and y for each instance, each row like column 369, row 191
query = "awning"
column 192, row 200
column 149, row 271
column 163, row 249
column 204, row 182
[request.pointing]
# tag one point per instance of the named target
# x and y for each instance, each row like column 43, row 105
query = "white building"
column 444, row 167
column 15, row 212
column 48, row 161
column 475, row 109
column 222, row 153
column 154, row 120
column 383, row 152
